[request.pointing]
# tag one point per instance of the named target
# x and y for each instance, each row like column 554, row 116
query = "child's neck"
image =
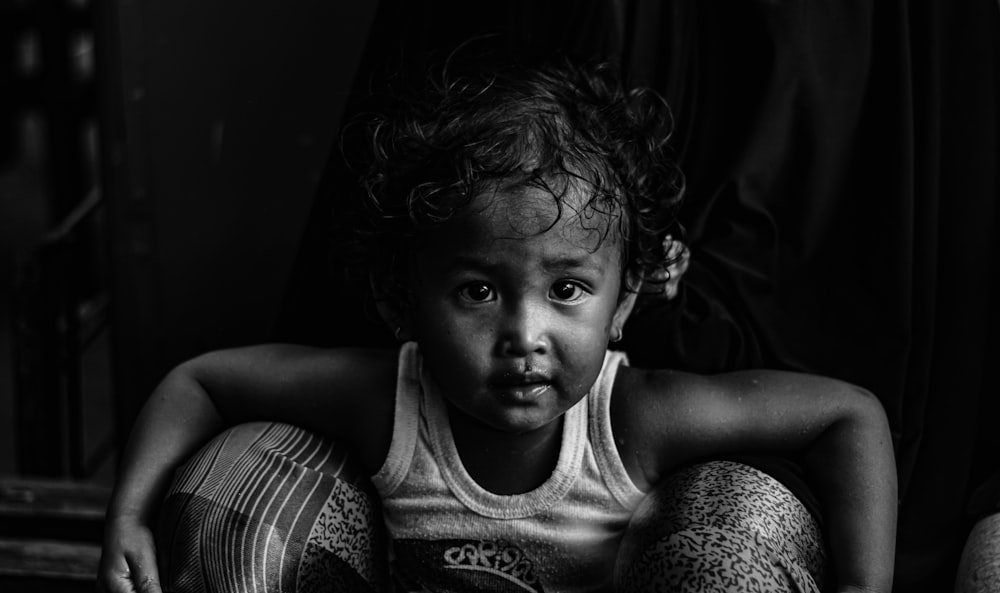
column 503, row 462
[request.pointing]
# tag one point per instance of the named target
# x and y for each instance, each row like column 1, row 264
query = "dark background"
column 168, row 173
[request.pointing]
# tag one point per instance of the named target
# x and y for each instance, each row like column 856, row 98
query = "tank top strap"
column 405, row 423
column 602, row 436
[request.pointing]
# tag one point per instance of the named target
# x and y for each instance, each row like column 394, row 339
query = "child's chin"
column 521, row 424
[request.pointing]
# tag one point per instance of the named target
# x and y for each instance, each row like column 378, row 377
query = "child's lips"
column 524, row 392
column 521, row 377
column 523, row 387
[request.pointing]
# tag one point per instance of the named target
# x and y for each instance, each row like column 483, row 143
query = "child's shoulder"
column 647, row 409
column 361, row 385
column 652, row 399
column 634, row 385
column 360, row 368
column 358, row 381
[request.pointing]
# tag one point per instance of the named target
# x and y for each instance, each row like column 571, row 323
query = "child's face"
column 514, row 305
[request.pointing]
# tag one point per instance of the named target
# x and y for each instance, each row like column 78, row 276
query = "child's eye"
column 567, row 291
column 477, row 292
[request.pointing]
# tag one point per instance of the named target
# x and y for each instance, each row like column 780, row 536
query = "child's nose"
column 525, row 331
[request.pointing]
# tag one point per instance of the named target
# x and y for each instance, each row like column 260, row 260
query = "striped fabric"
column 267, row 507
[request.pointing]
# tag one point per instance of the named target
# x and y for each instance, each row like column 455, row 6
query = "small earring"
column 616, row 335
column 398, row 332
column 667, row 279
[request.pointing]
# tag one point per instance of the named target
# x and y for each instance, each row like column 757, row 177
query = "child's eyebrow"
column 559, row 262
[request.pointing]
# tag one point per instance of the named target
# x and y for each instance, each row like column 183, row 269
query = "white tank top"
column 449, row 534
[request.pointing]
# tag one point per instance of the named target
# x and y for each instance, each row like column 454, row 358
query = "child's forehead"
column 567, row 216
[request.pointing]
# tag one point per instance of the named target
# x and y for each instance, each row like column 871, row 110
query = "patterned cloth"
column 722, row 527
column 270, row 507
column 267, row 507
column 979, row 569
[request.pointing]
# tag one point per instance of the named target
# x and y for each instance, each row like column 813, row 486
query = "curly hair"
column 552, row 126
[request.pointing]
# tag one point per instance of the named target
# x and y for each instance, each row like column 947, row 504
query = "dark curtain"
column 842, row 164
column 841, row 160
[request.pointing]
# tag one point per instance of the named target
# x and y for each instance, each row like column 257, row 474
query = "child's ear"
column 392, row 309
column 626, row 302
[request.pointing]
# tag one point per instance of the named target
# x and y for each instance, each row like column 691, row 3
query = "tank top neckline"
column 503, row 506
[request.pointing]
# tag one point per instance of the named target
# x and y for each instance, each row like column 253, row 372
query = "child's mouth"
column 522, row 387
column 525, row 393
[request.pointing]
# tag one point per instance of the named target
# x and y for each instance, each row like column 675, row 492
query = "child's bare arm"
column 324, row 391
column 176, row 419
column 839, row 430
column 854, row 471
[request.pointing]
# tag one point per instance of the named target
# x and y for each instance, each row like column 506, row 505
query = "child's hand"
column 128, row 559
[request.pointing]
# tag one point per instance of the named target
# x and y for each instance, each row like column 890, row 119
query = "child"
column 509, row 222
